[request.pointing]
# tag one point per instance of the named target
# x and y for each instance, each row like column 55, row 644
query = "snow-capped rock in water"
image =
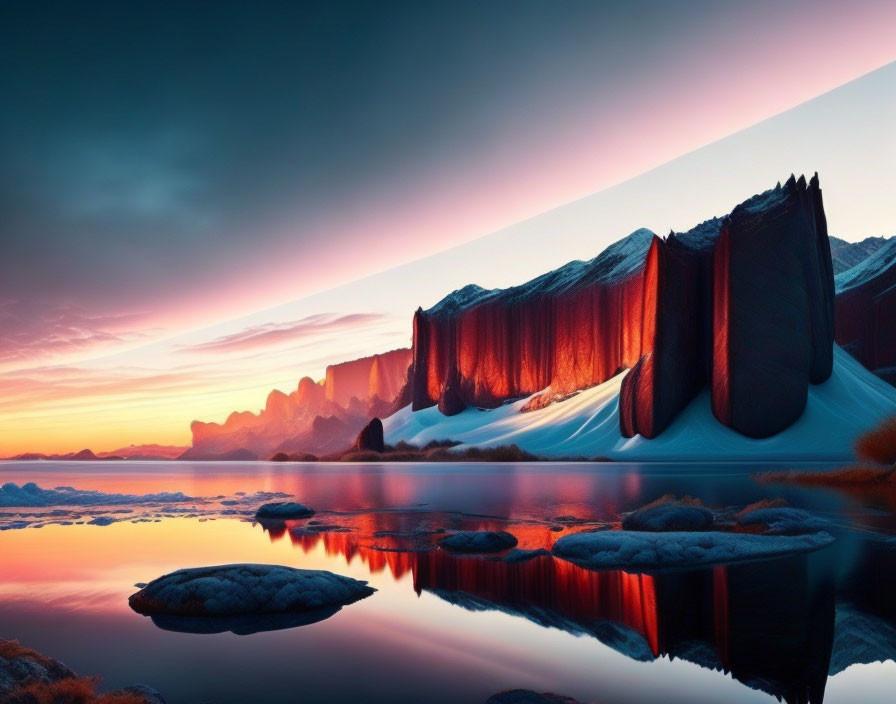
column 671, row 516
column 230, row 590
column 283, row 510
column 630, row 550
column 478, row 541
column 587, row 425
column 866, row 309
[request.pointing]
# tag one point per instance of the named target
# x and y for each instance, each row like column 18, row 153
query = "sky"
column 193, row 199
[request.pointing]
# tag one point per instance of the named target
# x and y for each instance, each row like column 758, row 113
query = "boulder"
column 671, row 516
column 282, row 511
column 371, row 437
column 231, row 590
column 478, row 541
column 643, row 551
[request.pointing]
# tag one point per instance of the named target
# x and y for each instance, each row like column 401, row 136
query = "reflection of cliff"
column 316, row 417
column 737, row 619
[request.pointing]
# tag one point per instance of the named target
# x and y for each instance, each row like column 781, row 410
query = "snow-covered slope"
column 587, row 424
column 874, row 265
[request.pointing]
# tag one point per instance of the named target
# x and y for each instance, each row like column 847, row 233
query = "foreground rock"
column 283, row 510
column 645, row 551
column 672, row 516
column 231, row 590
column 30, row 677
column 478, row 541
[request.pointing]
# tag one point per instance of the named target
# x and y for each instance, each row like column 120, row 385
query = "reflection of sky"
column 64, row 588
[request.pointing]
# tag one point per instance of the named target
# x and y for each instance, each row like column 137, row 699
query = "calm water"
column 443, row 628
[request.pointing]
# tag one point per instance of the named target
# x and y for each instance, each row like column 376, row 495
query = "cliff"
column 316, row 417
column 866, row 309
column 773, row 309
column 742, row 304
column 381, row 376
column 569, row 329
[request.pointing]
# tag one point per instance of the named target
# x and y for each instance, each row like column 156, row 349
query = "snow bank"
column 229, row 590
column 587, row 424
column 32, row 495
column 631, row 550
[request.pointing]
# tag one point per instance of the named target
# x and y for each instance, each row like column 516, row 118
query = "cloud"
column 269, row 334
column 31, row 330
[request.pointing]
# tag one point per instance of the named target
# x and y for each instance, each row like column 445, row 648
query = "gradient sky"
column 168, row 173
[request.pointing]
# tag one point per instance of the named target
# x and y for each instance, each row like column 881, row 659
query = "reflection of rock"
column 527, row 696
column 283, row 510
column 478, row 541
column 231, row 590
column 631, row 550
column 860, row 638
column 671, row 516
column 243, row 625
column 525, row 555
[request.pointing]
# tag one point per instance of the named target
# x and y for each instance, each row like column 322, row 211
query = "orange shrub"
column 71, row 690
column 879, row 444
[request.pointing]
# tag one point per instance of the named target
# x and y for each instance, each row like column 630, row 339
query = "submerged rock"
column 231, row 590
column 518, row 555
column 527, row 696
column 632, row 550
column 478, row 541
column 283, row 510
column 783, row 520
column 671, row 516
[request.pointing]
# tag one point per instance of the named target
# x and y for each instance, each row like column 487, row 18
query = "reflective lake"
column 444, row 628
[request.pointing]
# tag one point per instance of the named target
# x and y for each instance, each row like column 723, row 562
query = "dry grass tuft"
column 846, row 476
column 71, row 690
column 762, row 503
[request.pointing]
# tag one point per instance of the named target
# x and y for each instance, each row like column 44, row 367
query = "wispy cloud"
column 30, row 330
column 270, row 334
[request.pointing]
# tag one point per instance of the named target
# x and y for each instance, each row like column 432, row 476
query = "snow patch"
column 587, row 424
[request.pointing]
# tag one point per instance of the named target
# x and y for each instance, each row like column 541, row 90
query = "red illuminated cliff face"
column 866, row 309
column 316, row 417
column 382, row 375
column 773, row 309
column 747, row 309
column 572, row 328
column 744, row 305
